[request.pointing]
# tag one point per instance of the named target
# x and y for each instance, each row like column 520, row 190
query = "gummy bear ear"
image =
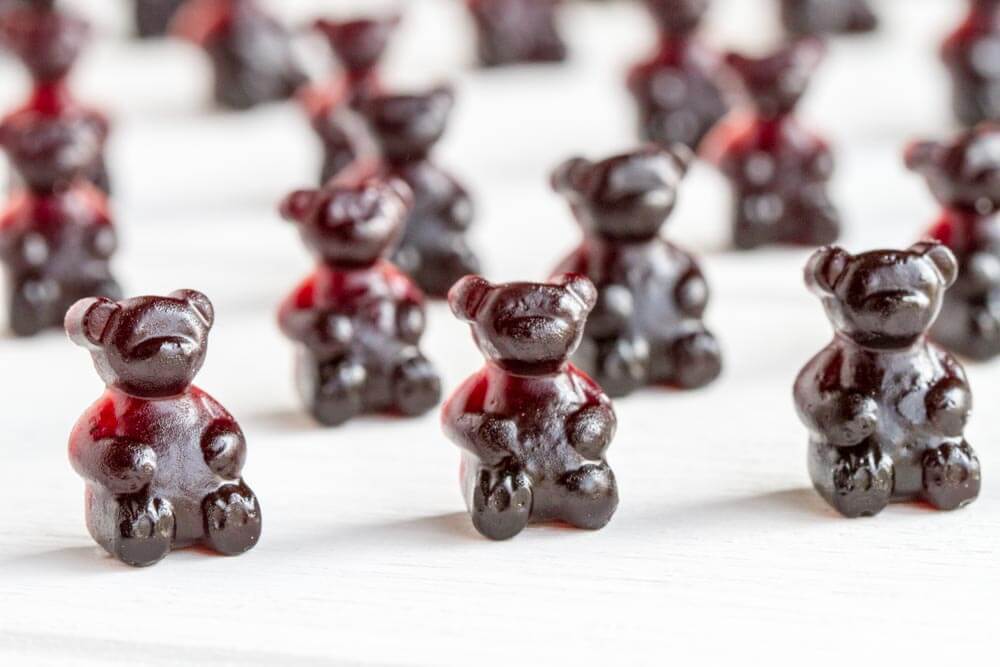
column 942, row 258
column 199, row 302
column 922, row 155
column 296, row 205
column 568, row 178
column 824, row 268
column 580, row 287
column 467, row 295
column 87, row 321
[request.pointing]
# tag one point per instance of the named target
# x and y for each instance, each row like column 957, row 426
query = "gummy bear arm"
column 490, row 437
column 692, row 292
column 843, row 418
column 461, row 210
column 224, row 447
column 119, row 464
column 613, row 313
column 591, row 430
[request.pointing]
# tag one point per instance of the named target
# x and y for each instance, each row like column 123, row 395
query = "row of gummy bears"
column 162, row 460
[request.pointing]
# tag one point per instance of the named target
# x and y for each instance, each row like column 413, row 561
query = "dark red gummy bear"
column 647, row 325
column 405, row 128
column 358, row 46
column 886, row 409
column 251, row 51
column 517, row 31
column 357, row 319
column 779, row 171
column 161, row 458
column 677, row 89
column 972, row 53
column 533, row 429
column 49, row 41
column 964, row 175
column 820, row 17
column 153, row 17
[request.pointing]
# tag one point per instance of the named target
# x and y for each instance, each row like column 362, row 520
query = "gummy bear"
column 358, row 46
column 532, row 428
column 819, row 17
column 405, row 128
column 647, row 325
column 677, row 90
column 972, row 54
column 251, row 51
column 517, row 31
column 162, row 460
column 153, row 17
column 357, row 320
column 964, row 175
column 886, row 409
column 778, row 170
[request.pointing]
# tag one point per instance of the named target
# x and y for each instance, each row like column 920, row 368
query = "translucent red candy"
column 251, row 51
column 532, row 428
column 819, row 17
column 56, row 236
column 162, row 460
column 964, row 175
column 357, row 45
column 779, row 171
column 677, row 90
column 517, row 31
column 885, row 408
column 433, row 249
column 972, row 53
column 647, row 325
column 357, row 320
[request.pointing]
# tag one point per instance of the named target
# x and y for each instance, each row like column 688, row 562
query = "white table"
column 720, row 549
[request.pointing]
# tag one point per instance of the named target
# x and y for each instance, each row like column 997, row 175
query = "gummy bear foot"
column 232, row 519
column 144, row 532
column 339, row 395
column 857, row 481
column 501, row 502
column 593, row 497
column 951, row 476
column 417, row 387
column 697, row 361
column 621, row 366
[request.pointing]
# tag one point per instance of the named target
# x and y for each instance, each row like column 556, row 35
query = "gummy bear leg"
column 856, row 481
column 33, row 306
column 232, row 519
column 143, row 532
column 690, row 362
column 334, row 391
column 416, row 385
column 620, row 365
column 591, row 496
column 500, row 501
column 951, row 476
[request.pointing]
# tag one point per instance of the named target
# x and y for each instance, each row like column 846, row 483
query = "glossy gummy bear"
column 972, row 54
column 517, row 31
column 357, row 320
column 886, row 409
column 160, row 457
column 251, row 52
column 533, row 429
column 651, row 296
column 779, row 171
column 56, row 235
column 49, row 41
column 358, row 45
column 964, row 175
column 677, row 90
column 405, row 128
column 821, row 17
column 153, row 17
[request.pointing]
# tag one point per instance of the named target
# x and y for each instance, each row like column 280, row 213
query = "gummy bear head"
column 351, row 223
column 47, row 40
column 775, row 83
column 525, row 328
column 884, row 299
column 965, row 172
column 406, row 127
column 148, row 347
column 626, row 197
column 358, row 44
column 678, row 17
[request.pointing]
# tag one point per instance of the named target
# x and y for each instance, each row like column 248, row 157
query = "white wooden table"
column 720, row 549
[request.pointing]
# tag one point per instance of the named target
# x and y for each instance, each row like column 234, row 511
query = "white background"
column 719, row 550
